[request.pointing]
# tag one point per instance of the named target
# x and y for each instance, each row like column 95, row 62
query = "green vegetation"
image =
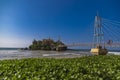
column 47, row 44
column 84, row 68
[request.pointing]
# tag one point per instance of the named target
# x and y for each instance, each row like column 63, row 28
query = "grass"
column 84, row 68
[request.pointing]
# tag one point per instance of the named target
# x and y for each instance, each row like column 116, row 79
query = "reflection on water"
column 18, row 54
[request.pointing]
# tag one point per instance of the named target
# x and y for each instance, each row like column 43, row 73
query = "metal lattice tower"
column 98, row 33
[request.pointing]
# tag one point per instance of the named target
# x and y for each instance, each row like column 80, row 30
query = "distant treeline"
column 47, row 44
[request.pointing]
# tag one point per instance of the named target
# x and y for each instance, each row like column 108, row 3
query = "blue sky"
column 21, row 21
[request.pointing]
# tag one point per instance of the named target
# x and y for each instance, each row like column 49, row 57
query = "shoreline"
column 55, row 57
column 21, row 54
column 46, row 56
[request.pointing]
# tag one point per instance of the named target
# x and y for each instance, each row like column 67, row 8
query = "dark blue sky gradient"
column 71, row 19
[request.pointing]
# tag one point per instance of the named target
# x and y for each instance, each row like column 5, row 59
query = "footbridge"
column 106, row 33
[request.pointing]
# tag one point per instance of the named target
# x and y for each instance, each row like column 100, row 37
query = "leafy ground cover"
column 84, row 68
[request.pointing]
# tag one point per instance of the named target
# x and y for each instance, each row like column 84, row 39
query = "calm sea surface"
column 18, row 54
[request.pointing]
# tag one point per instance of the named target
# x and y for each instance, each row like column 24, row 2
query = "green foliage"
column 45, row 44
column 84, row 68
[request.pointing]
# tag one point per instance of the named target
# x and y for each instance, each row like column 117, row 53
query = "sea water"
column 18, row 54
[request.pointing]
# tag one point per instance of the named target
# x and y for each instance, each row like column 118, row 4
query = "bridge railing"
column 91, row 44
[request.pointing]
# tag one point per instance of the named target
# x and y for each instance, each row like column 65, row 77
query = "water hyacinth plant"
column 84, row 68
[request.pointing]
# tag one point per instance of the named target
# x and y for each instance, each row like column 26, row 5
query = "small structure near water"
column 61, row 48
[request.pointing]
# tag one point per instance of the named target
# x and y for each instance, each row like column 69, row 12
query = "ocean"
column 16, row 53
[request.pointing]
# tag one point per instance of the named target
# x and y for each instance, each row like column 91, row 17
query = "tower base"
column 99, row 51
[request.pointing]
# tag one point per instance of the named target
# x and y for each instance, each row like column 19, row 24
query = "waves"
column 115, row 53
column 18, row 54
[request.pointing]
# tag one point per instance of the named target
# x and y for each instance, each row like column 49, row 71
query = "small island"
column 47, row 44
